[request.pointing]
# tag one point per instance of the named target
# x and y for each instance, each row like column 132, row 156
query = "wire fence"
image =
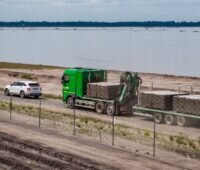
column 137, row 133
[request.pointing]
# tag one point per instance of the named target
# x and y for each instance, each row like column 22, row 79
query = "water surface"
column 155, row 50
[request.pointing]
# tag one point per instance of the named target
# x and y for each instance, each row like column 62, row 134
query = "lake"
column 155, row 50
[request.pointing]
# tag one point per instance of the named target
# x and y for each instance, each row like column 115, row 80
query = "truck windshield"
column 33, row 84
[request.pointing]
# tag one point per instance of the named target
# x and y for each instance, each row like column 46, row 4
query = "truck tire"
column 22, row 94
column 6, row 92
column 70, row 102
column 181, row 121
column 158, row 117
column 100, row 107
column 110, row 109
column 170, row 119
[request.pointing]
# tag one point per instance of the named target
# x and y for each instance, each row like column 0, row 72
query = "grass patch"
column 27, row 66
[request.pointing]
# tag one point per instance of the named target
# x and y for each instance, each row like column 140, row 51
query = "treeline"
column 100, row 24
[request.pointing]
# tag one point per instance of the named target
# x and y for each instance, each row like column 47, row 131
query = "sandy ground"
column 49, row 143
column 50, row 80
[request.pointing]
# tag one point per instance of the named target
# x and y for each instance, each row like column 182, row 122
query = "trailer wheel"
column 70, row 102
column 181, row 121
column 158, row 118
column 110, row 109
column 169, row 119
column 100, row 107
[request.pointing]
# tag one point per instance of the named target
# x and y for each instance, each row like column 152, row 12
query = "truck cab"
column 75, row 82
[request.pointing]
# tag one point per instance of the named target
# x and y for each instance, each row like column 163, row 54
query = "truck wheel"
column 22, row 94
column 6, row 92
column 158, row 118
column 70, row 102
column 181, row 121
column 169, row 119
column 100, row 107
column 110, row 109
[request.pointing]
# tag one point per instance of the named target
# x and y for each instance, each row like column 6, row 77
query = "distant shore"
column 100, row 24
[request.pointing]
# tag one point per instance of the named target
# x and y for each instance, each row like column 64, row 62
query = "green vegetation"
column 95, row 127
column 8, row 65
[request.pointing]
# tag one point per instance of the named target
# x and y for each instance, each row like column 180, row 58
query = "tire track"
column 41, row 156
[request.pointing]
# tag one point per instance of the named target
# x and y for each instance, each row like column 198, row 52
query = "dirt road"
column 27, row 147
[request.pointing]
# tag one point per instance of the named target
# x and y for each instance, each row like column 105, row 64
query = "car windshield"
column 33, row 84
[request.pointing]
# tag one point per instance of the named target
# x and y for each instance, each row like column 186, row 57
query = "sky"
column 99, row 10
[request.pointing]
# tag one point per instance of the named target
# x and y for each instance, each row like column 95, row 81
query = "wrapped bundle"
column 92, row 90
column 107, row 90
column 158, row 99
column 187, row 104
column 103, row 90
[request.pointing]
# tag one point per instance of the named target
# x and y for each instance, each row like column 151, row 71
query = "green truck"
column 75, row 81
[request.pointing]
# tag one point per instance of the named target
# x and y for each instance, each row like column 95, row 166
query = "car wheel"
column 6, row 92
column 22, row 94
column 36, row 97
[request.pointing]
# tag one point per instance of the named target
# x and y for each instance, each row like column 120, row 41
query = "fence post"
column 40, row 102
column 10, row 107
column 191, row 90
column 139, row 95
column 154, row 139
column 179, row 91
column 113, row 126
column 152, row 85
column 74, row 122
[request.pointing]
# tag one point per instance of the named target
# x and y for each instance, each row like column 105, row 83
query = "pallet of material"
column 107, row 90
column 103, row 90
column 92, row 90
column 187, row 104
column 158, row 99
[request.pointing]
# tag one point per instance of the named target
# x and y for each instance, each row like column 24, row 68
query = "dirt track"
column 27, row 155
column 27, row 147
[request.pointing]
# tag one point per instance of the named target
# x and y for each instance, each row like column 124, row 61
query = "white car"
column 23, row 89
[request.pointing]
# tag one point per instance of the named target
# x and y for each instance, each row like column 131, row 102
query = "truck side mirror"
column 65, row 79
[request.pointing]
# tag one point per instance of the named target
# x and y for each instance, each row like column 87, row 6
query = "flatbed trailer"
column 169, row 117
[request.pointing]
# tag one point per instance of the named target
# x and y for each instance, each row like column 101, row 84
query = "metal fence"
column 138, row 133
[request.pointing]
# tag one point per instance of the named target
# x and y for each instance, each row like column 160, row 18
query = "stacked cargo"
column 187, row 104
column 158, row 99
column 107, row 90
column 92, row 90
column 103, row 90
